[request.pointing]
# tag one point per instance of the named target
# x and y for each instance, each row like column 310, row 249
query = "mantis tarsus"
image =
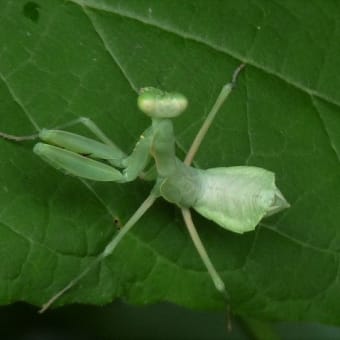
column 236, row 198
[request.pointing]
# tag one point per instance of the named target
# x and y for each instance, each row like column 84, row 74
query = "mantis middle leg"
column 108, row 250
column 226, row 89
column 217, row 280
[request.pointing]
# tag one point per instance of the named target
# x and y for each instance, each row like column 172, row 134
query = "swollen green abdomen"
column 237, row 198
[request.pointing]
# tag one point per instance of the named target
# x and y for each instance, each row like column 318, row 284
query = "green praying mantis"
column 236, row 198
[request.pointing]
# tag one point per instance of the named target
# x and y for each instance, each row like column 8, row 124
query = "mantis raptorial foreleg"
column 87, row 122
column 77, row 143
column 76, row 155
column 91, row 126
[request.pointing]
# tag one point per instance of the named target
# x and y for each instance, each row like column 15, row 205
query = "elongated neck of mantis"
column 163, row 146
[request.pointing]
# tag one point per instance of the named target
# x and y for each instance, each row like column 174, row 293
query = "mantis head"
column 159, row 104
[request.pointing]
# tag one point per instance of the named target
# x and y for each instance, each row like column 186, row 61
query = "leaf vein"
column 189, row 36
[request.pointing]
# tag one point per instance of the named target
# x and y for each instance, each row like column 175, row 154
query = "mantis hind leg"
column 217, row 280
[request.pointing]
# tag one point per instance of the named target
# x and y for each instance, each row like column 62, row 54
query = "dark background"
column 122, row 321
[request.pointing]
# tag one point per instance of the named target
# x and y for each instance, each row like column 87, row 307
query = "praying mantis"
column 235, row 198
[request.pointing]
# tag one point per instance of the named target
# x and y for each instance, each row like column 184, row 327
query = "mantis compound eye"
column 159, row 104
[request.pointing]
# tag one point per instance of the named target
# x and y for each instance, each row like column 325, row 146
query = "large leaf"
column 64, row 59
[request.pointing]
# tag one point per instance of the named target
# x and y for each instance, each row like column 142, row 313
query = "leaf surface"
column 63, row 59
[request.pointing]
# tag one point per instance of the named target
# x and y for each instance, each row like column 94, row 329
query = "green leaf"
column 64, row 59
